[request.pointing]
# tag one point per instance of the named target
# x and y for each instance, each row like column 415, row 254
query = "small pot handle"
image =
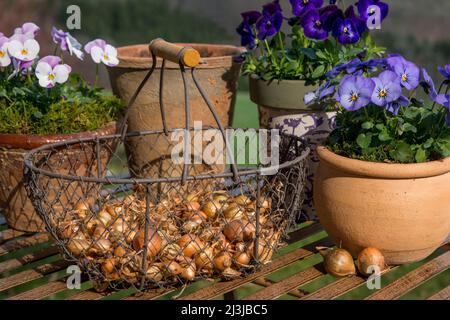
column 187, row 56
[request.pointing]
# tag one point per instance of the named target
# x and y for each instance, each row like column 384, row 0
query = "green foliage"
column 303, row 58
column 27, row 108
column 419, row 133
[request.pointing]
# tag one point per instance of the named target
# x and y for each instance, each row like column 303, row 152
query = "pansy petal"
column 97, row 54
column 61, row 72
column 14, row 48
column 5, row 60
column 43, row 69
column 45, row 82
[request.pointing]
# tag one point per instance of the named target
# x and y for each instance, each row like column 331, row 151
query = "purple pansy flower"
column 355, row 92
column 431, row 88
column 271, row 21
column 387, row 88
column 299, row 7
column 5, row 59
column 50, row 71
column 324, row 91
column 245, row 29
column 445, row 71
column 395, row 106
column 365, row 13
column 408, row 72
column 329, row 15
column 345, row 32
column 313, row 25
column 29, row 29
column 67, row 42
column 100, row 51
column 359, row 23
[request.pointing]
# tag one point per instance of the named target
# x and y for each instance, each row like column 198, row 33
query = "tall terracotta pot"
column 401, row 209
column 218, row 75
column 14, row 203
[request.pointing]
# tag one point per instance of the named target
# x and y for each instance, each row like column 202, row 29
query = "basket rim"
column 29, row 165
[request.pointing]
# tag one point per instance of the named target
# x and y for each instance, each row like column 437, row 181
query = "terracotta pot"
column 315, row 127
column 280, row 98
column 218, row 75
column 16, row 207
column 401, row 209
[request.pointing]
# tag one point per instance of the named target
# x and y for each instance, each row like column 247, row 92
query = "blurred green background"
column 418, row 29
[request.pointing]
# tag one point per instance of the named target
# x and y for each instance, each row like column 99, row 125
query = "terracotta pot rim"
column 384, row 170
column 29, row 142
column 134, row 62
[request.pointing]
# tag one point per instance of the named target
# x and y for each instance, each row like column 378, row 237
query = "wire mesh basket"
column 148, row 221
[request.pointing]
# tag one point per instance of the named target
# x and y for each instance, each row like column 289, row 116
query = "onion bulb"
column 222, row 261
column 154, row 242
column 204, row 260
column 173, row 268
column 242, row 200
column 188, row 272
column 368, row 259
column 338, row 262
column 239, row 230
column 108, row 265
column 104, row 217
column 81, row 210
column 154, row 273
column 242, row 258
column 193, row 206
column 102, row 246
column 234, row 211
column 265, row 251
column 78, row 246
column 190, row 244
column 212, row 207
column 221, row 198
column 119, row 252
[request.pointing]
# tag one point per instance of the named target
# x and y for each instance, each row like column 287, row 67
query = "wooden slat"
column 24, row 243
column 87, row 295
column 280, row 288
column 413, row 279
column 335, row 289
column 32, row 274
column 304, row 233
column 9, row 234
column 41, row 292
column 441, row 295
column 264, row 282
column 150, row 295
column 220, row 288
column 14, row 263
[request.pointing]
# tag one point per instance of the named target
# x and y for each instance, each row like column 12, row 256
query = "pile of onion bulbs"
column 204, row 235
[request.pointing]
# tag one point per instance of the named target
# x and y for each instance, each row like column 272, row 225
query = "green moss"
column 26, row 108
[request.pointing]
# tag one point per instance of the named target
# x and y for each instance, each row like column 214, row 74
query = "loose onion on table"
column 337, row 262
column 370, row 260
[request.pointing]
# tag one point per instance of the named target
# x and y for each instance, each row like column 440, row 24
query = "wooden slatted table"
column 32, row 268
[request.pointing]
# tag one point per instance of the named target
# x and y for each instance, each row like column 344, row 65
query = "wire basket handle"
column 186, row 57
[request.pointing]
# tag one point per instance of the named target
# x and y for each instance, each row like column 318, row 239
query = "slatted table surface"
column 32, row 268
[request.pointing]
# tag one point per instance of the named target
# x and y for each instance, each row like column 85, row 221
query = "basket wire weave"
column 129, row 219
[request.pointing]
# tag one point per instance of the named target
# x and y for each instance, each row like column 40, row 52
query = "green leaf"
column 318, row 72
column 421, row 155
column 364, row 140
column 429, row 143
column 408, row 127
column 367, row 125
column 309, row 52
column 402, row 152
column 384, row 136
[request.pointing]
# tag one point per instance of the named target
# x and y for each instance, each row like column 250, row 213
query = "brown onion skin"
column 190, row 244
column 370, row 257
column 339, row 262
column 239, row 230
column 154, row 242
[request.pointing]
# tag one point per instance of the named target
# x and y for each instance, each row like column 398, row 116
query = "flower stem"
column 281, row 43
column 97, row 70
column 269, row 51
